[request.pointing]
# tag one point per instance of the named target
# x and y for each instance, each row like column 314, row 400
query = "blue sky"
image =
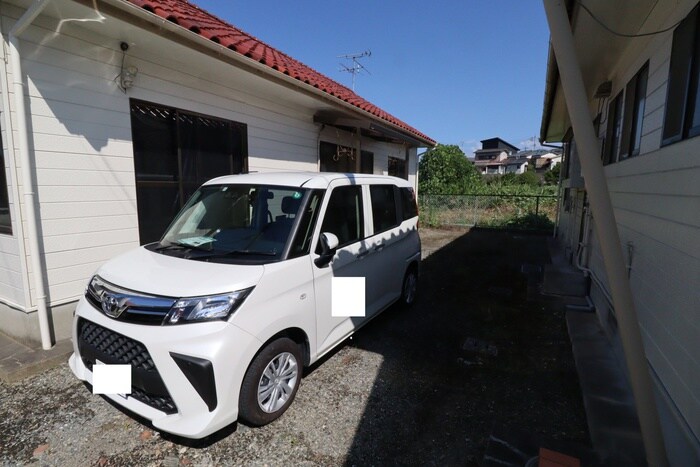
column 459, row 71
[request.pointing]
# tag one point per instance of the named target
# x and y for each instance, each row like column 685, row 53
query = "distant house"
column 542, row 159
column 647, row 119
column 123, row 109
column 498, row 157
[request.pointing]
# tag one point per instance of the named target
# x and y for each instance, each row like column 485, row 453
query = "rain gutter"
column 28, row 188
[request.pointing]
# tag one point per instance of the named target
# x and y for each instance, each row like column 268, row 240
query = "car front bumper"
column 191, row 399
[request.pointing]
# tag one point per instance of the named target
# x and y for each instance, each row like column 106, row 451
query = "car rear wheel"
column 271, row 382
column 409, row 289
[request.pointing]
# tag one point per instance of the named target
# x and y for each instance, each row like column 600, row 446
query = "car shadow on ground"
column 471, row 354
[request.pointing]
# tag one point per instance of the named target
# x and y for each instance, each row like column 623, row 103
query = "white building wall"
column 656, row 198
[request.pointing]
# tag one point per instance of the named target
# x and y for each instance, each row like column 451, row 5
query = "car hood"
column 153, row 273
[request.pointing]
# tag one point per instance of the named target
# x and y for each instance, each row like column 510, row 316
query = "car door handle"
column 362, row 254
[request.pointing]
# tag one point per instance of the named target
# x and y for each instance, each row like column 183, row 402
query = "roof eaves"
column 207, row 26
column 551, row 82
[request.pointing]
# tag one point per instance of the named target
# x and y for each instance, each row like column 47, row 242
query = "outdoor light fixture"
column 126, row 77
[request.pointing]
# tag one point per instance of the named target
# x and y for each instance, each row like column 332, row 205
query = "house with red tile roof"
column 113, row 112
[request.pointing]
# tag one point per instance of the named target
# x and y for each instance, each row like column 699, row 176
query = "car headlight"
column 206, row 308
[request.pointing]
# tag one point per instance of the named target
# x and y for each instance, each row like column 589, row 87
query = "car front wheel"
column 271, row 382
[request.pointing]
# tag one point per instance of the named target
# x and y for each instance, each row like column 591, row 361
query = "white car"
column 219, row 318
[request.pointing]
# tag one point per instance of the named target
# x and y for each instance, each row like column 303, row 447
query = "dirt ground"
column 424, row 386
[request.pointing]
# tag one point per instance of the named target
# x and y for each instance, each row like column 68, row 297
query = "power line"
column 612, row 31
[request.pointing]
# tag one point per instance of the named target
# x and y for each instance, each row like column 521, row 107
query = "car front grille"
column 164, row 404
column 124, row 350
column 96, row 342
column 138, row 308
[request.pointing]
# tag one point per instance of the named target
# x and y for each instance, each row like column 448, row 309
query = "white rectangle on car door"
column 348, row 297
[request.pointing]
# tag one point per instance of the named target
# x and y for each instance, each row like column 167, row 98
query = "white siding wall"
column 13, row 269
column 656, row 197
column 81, row 137
column 11, row 285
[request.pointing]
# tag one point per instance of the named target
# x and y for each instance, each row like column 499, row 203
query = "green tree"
column 446, row 170
column 551, row 177
column 529, row 178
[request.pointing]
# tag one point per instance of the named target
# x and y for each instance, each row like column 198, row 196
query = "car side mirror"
column 329, row 243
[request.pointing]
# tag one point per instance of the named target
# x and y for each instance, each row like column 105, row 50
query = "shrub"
column 529, row 178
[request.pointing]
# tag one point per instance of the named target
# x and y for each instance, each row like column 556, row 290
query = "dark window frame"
column 682, row 85
column 397, row 167
column 175, row 147
column 614, row 129
column 635, row 102
column 5, row 228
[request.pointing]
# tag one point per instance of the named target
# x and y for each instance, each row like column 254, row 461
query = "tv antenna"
column 355, row 67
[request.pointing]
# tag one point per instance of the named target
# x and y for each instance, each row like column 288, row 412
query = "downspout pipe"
column 27, row 183
column 599, row 200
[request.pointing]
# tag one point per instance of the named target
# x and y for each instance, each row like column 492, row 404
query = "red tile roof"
column 199, row 21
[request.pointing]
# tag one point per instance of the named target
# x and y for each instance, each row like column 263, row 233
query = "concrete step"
column 607, row 397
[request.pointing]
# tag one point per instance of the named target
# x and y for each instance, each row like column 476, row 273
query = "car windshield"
column 234, row 221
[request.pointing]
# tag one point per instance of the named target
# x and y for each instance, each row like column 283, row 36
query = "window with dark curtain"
column 338, row 158
column 366, row 162
column 612, row 134
column 397, row 167
column 5, row 221
column 635, row 97
column 174, row 153
column 682, row 117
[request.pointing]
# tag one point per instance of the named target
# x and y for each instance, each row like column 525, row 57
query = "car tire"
column 271, row 382
column 409, row 287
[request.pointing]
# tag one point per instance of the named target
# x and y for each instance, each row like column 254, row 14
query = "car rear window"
column 408, row 203
column 383, row 207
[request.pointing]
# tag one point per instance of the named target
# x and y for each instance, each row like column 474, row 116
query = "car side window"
column 344, row 216
column 302, row 242
column 383, row 207
column 408, row 203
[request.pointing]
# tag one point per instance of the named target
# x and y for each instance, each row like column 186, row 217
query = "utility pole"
column 355, row 67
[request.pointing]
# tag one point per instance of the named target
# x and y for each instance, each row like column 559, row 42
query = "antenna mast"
column 356, row 67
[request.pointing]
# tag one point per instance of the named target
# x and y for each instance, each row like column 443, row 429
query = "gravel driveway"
column 403, row 391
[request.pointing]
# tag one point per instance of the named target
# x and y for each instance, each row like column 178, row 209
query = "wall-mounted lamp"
column 126, row 77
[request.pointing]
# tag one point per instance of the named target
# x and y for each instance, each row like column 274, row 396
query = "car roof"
column 302, row 179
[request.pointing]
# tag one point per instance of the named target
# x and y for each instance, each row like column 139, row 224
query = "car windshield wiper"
column 180, row 246
column 246, row 252
column 169, row 246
